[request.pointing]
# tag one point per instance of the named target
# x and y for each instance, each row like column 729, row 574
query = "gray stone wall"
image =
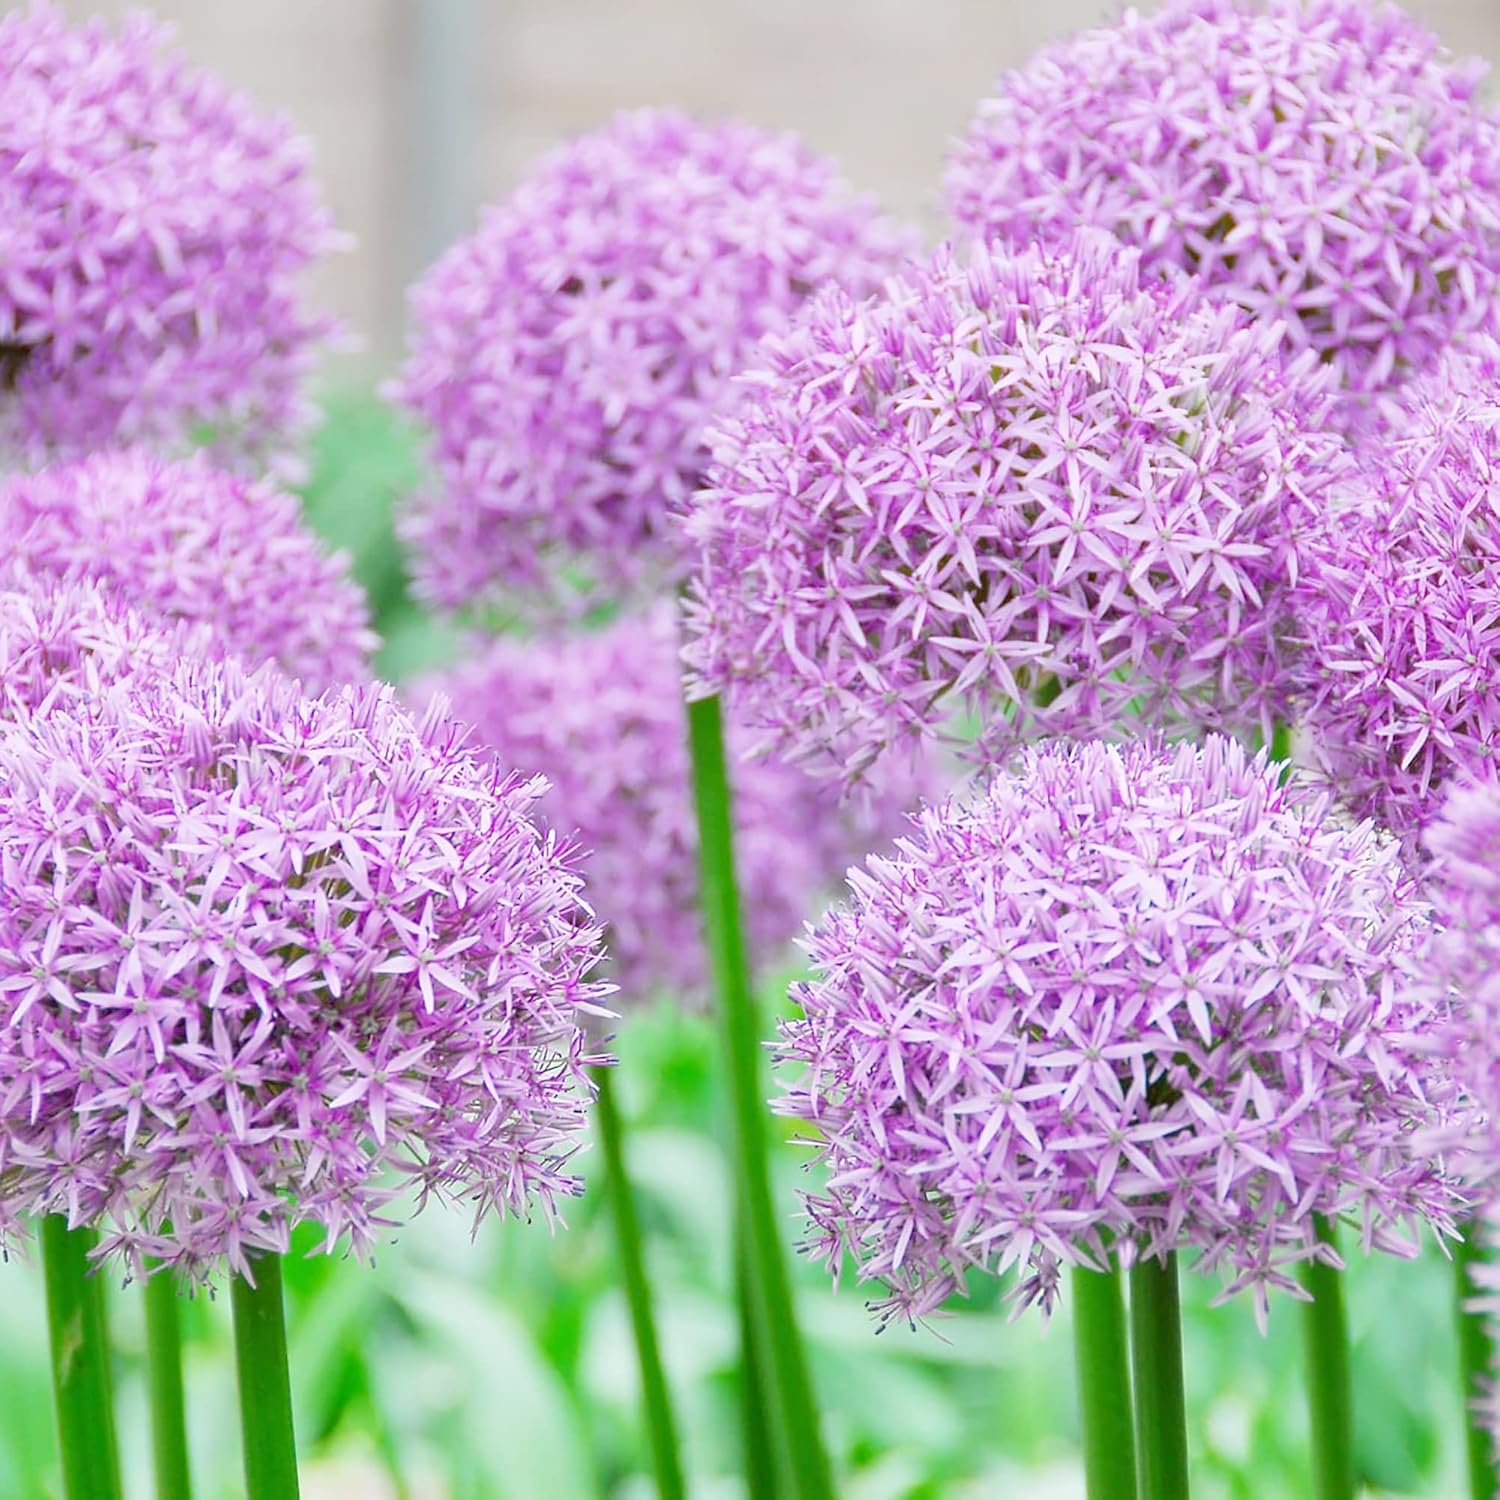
column 882, row 84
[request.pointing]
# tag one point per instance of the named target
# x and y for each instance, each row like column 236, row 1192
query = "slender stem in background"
column 661, row 1429
column 794, row 1411
column 1156, row 1361
column 1325, row 1352
column 1281, row 742
column 265, row 1383
column 1476, row 1354
column 164, row 1385
column 766, row 1467
column 1103, row 1383
column 80, row 1363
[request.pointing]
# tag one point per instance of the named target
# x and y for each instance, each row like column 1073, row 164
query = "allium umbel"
column 1461, row 965
column 154, row 228
column 1401, row 603
column 265, row 958
column 1131, row 1000
column 602, row 711
column 568, row 355
column 184, row 540
column 1033, row 485
column 1322, row 163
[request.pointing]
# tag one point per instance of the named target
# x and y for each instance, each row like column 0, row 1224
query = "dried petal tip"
column 154, row 228
column 262, row 956
column 1033, row 485
column 602, row 712
column 1324, row 164
column 186, row 541
column 568, row 355
column 1131, row 1000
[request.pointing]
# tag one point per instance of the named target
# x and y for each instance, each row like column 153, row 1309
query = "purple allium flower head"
column 602, row 711
column 1322, row 163
column 1461, row 962
column 184, row 540
column 1130, row 999
column 153, row 231
column 568, row 355
column 1032, row 484
column 1400, row 603
column 72, row 640
column 264, row 956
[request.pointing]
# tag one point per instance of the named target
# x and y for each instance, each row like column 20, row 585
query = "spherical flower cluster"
column 153, row 231
column 1401, row 603
column 1131, row 1001
column 602, row 711
column 1462, row 963
column 71, row 640
column 184, row 540
column 1034, row 484
column 569, row 354
column 264, row 956
column 1322, row 163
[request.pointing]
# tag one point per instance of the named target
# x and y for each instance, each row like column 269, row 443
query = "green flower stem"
column 1325, row 1351
column 164, row 1386
column 794, row 1410
column 1476, row 1353
column 1103, row 1383
column 265, row 1383
column 81, row 1384
column 661, row 1429
column 766, row 1467
column 1156, row 1361
column 1281, row 742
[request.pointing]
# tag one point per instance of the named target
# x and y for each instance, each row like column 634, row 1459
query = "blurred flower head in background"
column 181, row 539
column 1132, row 999
column 1033, row 485
column 601, row 712
column 265, row 959
column 1400, row 603
column 154, row 227
column 568, row 355
column 1324, row 164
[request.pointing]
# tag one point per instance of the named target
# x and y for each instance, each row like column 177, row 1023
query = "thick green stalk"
column 265, row 1383
column 1156, row 1364
column 1103, row 1383
column 164, row 1386
column 1476, row 1354
column 1325, row 1351
column 794, row 1409
column 766, row 1467
column 81, row 1386
column 661, row 1429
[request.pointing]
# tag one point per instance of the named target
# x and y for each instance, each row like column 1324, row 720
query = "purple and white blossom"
column 1038, row 487
column 154, row 231
column 267, row 960
column 567, row 356
column 183, row 540
column 1323, row 164
column 1130, row 1000
column 602, row 713
column 1400, row 604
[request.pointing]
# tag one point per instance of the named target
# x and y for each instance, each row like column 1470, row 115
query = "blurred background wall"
column 421, row 110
